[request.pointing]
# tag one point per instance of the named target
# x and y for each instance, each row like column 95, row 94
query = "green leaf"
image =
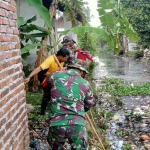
column 83, row 29
column 115, row 22
column 111, row 41
column 49, row 48
column 80, row 30
column 32, row 27
column 64, row 33
column 25, row 56
column 116, row 50
column 106, row 4
column 34, row 40
column 20, row 21
column 33, row 3
column 128, row 29
column 106, row 18
column 35, row 35
column 31, row 19
column 44, row 13
column 29, row 47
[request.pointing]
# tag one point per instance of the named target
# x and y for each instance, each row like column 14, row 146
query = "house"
column 59, row 25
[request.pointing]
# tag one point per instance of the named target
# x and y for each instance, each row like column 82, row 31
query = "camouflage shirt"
column 71, row 96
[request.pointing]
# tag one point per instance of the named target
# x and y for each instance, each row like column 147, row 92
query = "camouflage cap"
column 80, row 64
column 67, row 40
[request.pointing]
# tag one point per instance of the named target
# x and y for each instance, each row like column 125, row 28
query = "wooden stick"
column 57, row 62
column 92, row 117
column 88, row 118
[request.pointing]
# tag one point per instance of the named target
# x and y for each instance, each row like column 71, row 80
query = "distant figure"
column 83, row 54
column 121, row 52
column 68, row 43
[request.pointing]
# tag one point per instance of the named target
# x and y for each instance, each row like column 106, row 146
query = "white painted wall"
column 68, row 25
column 132, row 46
column 24, row 10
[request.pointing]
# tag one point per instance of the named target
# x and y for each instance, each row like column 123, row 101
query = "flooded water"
column 134, row 71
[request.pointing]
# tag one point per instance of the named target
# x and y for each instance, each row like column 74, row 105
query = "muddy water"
column 134, row 71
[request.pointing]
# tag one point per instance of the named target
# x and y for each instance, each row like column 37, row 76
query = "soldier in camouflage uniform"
column 71, row 97
column 69, row 44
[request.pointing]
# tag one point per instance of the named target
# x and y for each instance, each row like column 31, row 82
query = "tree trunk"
column 124, row 44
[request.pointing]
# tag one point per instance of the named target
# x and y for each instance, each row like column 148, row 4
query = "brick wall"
column 13, row 116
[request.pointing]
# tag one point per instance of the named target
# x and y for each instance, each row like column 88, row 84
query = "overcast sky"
column 93, row 7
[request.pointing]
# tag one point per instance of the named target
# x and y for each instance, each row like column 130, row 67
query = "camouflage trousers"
column 76, row 135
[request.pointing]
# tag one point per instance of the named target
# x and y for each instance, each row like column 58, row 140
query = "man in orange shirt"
column 51, row 64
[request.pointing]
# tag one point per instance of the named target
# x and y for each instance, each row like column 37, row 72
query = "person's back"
column 71, row 97
column 83, row 55
column 69, row 91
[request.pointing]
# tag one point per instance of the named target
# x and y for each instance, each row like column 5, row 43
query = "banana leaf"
column 128, row 30
column 106, row 18
column 29, row 47
column 111, row 41
column 31, row 19
column 32, row 27
column 34, row 35
column 44, row 13
column 80, row 30
column 115, row 23
column 106, row 4
column 21, row 22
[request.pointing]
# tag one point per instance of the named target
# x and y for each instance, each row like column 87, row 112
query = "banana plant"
column 114, row 24
column 43, row 11
column 28, row 39
column 113, row 20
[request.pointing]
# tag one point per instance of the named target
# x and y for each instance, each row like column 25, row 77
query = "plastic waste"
column 120, row 144
column 116, row 118
column 34, row 144
column 68, row 147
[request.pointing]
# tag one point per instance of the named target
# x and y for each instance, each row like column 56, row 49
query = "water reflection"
column 131, row 70
column 122, row 66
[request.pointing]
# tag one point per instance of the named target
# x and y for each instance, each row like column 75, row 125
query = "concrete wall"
column 68, row 25
column 14, row 133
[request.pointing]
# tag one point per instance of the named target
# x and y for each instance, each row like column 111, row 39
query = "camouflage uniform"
column 69, row 41
column 71, row 57
column 71, row 96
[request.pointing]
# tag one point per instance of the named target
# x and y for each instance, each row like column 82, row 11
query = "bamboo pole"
column 57, row 61
column 89, row 120
column 92, row 116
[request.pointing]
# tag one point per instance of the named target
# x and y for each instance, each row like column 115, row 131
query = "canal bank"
column 130, row 121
